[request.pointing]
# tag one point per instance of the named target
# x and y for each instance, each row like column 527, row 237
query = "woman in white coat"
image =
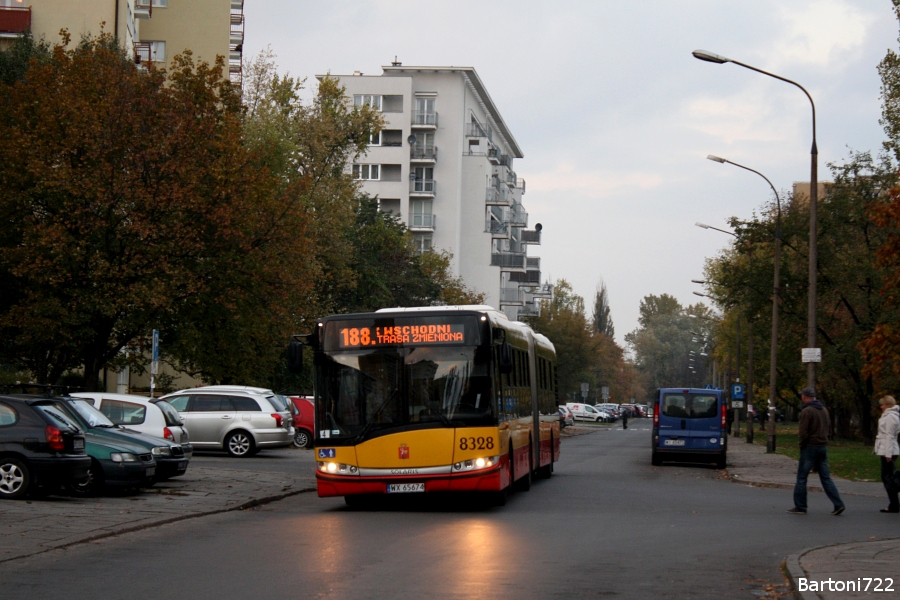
column 887, row 449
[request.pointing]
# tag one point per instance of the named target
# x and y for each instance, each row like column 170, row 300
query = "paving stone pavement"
column 37, row 525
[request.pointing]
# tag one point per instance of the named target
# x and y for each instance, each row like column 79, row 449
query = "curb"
column 795, row 571
column 92, row 538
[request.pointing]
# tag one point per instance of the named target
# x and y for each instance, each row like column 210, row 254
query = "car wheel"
column 302, row 439
column 720, row 462
column 239, row 444
column 655, row 459
column 91, row 485
column 15, row 479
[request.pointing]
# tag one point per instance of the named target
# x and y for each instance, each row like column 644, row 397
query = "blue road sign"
column 737, row 391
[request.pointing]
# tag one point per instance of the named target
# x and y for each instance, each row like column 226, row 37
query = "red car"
column 304, row 412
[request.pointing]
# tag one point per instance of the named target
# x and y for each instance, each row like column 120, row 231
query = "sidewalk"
column 34, row 526
column 842, row 563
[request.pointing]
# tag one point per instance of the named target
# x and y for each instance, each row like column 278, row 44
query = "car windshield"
column 90, row 415
column 173, row 419
column 367, row 391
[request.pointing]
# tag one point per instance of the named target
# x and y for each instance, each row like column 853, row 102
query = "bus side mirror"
column 295, row 357
column 504, row 354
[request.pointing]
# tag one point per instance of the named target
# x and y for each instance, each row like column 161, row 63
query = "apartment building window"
column 367, row 100
column 421, row 213
column 158, row 51
column 375, row 139
column 423, row 179
column 160, row 3
column 12, row 3
column 366, row 172
column 424, row 113
column 422, row 242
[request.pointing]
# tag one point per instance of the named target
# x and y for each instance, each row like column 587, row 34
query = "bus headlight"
column 476, row 464
column 332, row 467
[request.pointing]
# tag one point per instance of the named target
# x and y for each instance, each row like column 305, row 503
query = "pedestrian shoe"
column 796, row 511
column 838, row 511
column 890, row 510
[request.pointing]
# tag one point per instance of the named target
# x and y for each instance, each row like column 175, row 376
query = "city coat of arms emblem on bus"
column 403, row 451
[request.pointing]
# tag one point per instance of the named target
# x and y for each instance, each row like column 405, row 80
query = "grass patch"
column 848, row 459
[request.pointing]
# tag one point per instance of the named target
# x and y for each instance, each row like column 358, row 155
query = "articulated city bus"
column 432, row 399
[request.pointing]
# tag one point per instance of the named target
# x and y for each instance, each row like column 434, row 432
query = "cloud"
column 591, row 184
column 819, row 33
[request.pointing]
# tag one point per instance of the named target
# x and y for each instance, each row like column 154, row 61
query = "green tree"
column 601, row 319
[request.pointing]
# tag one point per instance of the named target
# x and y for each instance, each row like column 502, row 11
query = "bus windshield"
column 365, row 392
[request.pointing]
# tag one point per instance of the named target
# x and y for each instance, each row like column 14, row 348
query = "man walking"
column 625, row 413
column 814, row 426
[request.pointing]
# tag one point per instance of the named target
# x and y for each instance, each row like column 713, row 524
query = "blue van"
column 689, row 425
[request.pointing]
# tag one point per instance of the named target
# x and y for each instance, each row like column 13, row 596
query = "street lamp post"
column 776, row 299
column 813, row 207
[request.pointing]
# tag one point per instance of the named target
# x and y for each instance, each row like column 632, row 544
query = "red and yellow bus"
column 432, row 399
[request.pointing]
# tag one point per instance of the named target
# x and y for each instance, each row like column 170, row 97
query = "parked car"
column 586, row 412
column 241, row 420
column 150, row 416
column 114, row 461
column 565, row 417
column 611, row 409
column 38, row 453
column 689, row 424
column 304, row 413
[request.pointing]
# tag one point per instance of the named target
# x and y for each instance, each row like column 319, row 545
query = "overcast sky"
column 614, row 115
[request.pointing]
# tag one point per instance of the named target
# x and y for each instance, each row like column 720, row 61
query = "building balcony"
column 142, row 53
column 479, row 130
column 523, row 278
column 531, row 236
column 424, row 120
column 530, row 309
column 423, row 153
column 422, row 222
column 14, row 21
column 511, row 297
column 508, row 262
column 143, row 9
column 422, row 187
column 498, row 229
column 493, row 155
column 533, row 263
column 237, row 4
column 237, row 28
column 518, row 217
column 497, row 197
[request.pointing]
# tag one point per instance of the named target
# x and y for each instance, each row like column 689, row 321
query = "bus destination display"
column 357, row 337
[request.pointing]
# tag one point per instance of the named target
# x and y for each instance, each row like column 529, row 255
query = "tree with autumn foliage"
column 583, row 354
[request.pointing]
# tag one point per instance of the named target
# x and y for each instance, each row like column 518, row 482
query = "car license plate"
column 405, row 488
column 151, row 471
column 79, row 444
column 673, row 443
column 182, row 465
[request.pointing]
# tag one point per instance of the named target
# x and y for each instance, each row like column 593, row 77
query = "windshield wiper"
column 371, row 424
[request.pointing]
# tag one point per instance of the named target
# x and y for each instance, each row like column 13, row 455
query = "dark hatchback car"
column 37, row 453
column 168, row 457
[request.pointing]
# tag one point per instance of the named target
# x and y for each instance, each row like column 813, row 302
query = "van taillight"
column 278, row 419
column 167, row 433
column 55, row 438
column 724, row 415
column 656, row 414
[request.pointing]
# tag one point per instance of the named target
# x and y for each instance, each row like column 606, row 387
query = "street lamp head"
column 700, row 281
column 710, row 57
column 702, row 295
column 702, row 225
column 715, row 158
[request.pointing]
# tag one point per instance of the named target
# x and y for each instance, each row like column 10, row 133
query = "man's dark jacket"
column 814, row 425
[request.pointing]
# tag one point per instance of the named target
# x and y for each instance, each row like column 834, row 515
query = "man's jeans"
column 815, row 456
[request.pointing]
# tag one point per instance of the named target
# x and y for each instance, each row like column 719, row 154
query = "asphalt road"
column 606, row 525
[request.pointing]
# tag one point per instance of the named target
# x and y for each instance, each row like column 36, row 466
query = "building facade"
column 444, row 164
column 150, row 30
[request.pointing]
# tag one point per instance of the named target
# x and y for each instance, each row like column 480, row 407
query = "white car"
column 586, row 412
column 151, row 416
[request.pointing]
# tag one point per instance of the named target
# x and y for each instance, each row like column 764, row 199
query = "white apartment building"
column 444, row 164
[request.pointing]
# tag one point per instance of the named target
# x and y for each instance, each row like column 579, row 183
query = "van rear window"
column 690, row 406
